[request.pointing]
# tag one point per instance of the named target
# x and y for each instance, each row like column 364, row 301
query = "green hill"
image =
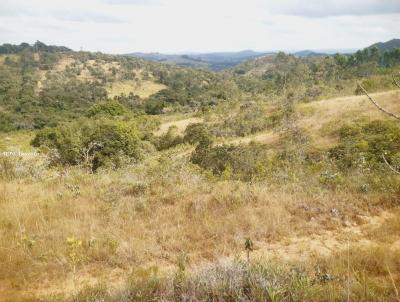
column 385, row 46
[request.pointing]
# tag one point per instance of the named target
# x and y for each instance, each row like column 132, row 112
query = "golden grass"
column 147, row 215
column 179, row 124
column 141, row 88
column 63, row 63
column 11, row 56
column 323, row 117
column 16, row 141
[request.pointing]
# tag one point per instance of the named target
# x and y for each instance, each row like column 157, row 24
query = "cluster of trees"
column 36, row 47
column 92, row 144
column 391, row 58
column 109, row 136
column 311, row 78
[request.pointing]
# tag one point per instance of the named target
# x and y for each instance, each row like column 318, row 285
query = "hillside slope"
column 385, row 46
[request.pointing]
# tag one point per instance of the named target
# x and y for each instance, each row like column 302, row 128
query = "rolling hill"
column 385, row 46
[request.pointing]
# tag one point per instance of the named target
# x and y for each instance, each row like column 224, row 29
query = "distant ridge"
column 213, row 60
column 308, row 54
column 37, row 47
column 388, row 45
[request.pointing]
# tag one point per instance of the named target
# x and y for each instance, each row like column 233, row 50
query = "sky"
column 178, row 26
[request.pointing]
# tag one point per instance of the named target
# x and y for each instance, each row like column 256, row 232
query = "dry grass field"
column 64, row 229
column 141, row 88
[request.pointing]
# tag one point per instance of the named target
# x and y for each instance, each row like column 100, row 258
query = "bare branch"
column 389, row 165
column 377, row 105
column 395, row 81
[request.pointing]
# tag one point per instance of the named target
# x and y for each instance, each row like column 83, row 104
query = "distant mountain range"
column 224, row 60
column 308, row 54
column 213, row 61
column 221, row 60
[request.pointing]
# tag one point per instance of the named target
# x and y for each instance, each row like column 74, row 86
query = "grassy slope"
column 152, row 213
column 139, row 86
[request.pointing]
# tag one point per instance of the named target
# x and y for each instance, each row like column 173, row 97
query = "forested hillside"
column 42, row 85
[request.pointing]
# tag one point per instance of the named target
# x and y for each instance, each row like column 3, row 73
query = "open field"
column 62, row 229
column 141, row 88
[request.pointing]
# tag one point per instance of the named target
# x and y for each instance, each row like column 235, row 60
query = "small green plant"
column 248, row 245
column 74, row 246
column 180, row 275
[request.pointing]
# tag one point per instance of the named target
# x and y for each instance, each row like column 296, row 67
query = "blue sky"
column 120, row 26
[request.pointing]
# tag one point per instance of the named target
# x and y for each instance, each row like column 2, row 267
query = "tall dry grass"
column 63, row 229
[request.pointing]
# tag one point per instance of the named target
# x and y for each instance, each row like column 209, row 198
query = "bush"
column 369, row 141
column 92, row 144
column 6, row 122
column 195, row 133
column 251, row 119
column 243, row 162
column 374, row 84
column 108, row 108
column 168, row 140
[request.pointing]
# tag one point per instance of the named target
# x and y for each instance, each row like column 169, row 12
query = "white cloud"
column 120, row 26
column 327, row 8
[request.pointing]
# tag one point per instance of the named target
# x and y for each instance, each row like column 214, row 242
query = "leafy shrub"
column 370, row 141
column 154, row 107
column 243, row 162
column 6, row 122
column 251, row 119
column 92, row 143
column 195, row 133
column 373, row 84
column 168, row 140
column 108, row 108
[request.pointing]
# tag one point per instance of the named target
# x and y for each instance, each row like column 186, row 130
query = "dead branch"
column 88, row 156
column 389, row 165
column 377, row 105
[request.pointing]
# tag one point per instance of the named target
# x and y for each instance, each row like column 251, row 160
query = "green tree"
column 107, row 108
